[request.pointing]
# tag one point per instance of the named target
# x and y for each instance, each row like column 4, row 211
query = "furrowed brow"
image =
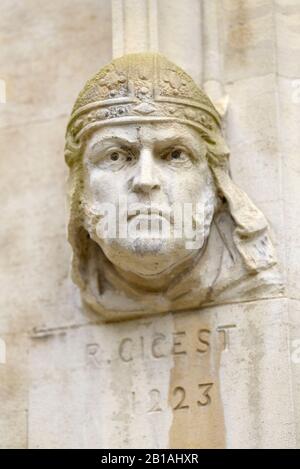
column 191, row 143
column 112, row 140
column 169, row 141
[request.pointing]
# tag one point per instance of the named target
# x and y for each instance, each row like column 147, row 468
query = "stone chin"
column 146, row 256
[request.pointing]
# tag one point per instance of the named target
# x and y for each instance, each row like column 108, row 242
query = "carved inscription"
column 180, row 391
column 205, row 391
column 178, row 343
column 192, row 350
column 154, row 396
column 225, row 330
column 156, row 348
column 160, row 346
column 204, row 340
column 125, row 350
column 180, row 400
column 93, row 354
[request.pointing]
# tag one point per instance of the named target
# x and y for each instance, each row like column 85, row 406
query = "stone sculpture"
column 145, row 140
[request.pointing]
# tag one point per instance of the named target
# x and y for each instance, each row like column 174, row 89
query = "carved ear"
column 251, row 236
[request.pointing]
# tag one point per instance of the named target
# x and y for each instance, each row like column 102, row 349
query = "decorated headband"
column 140, row 88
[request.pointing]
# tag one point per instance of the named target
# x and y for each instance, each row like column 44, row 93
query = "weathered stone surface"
column 252, row 132
column 143, row 383
column 48, row 50
column 41, row 79
column 62, row 380
column 288, row 38
column 294, row 344
column 14, row 385
column 184, row 51
column 35, row 258
column 13, row 429
column 289, row 141
column 247, row 38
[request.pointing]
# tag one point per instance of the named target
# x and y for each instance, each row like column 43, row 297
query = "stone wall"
column 48, row 49
column 220, row 377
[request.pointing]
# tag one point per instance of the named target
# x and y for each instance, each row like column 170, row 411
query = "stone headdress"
column 147, row 87
column 139, row 88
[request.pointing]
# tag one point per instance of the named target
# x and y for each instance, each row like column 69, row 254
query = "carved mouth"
column 149, row 211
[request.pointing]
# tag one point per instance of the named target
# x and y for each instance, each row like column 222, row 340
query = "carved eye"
column 119, row 157
column 175, row 154
column 114, row 156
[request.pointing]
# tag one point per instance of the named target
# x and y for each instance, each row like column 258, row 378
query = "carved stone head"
column 156, row 222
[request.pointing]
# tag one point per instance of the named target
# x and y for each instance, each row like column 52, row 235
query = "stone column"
column 171, row 27
column 134, row 26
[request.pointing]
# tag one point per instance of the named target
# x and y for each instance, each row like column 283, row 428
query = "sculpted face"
column 147, row 171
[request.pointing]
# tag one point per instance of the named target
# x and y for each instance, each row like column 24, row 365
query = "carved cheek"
column 201, row 181
column 100, row 187
column 187, row 188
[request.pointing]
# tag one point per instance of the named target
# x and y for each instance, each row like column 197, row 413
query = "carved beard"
column 160, row 253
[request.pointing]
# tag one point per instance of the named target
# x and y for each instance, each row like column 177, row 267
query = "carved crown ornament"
column 156, row 90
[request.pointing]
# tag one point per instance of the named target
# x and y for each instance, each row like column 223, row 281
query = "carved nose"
column 145, row 179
